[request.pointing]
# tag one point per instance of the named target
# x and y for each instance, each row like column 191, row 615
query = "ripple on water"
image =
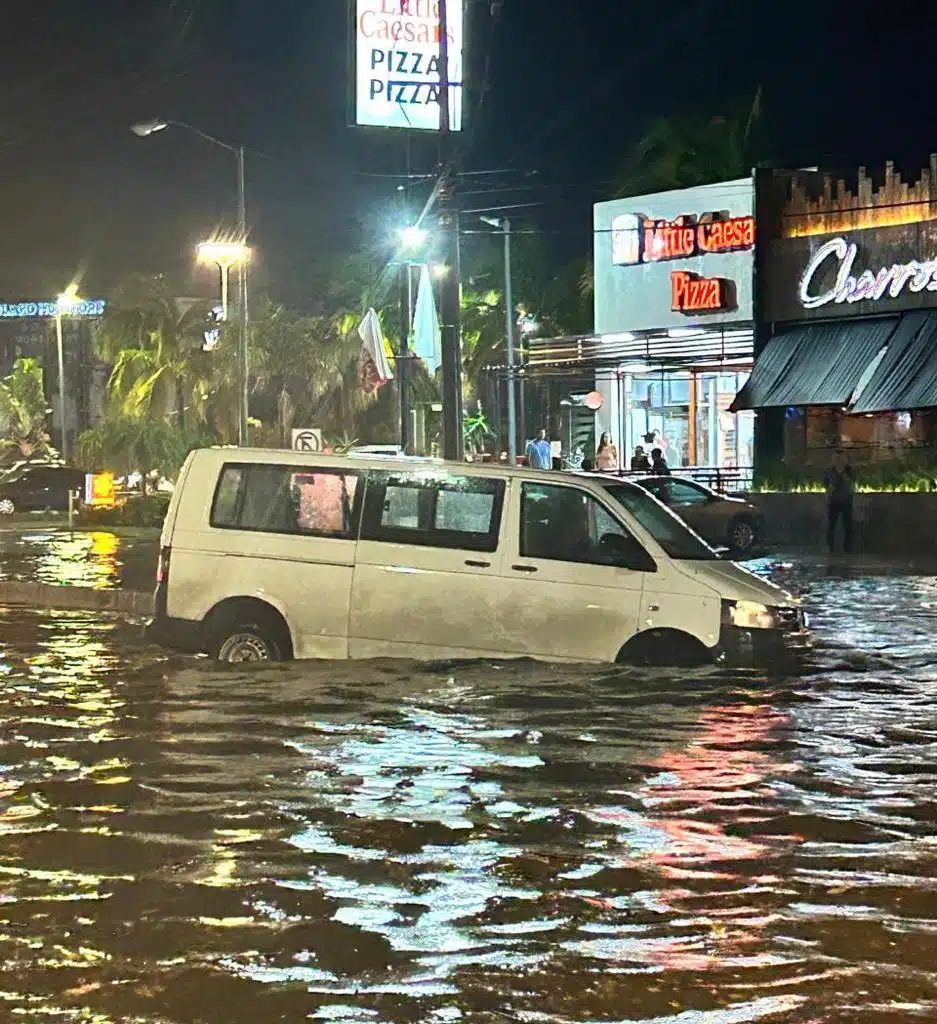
column 384, row 841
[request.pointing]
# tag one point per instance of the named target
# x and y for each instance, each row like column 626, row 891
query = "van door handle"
column 524, row 568
column 477, row 565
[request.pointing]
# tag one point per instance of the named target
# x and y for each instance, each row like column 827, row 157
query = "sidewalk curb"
column 47, row 595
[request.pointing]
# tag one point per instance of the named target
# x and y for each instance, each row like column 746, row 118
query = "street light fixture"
column 224, row 255
column 414, row 237
column 143, row 129
column 63, row 304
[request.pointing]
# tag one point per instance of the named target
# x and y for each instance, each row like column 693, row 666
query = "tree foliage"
column 680, row 152
column 167, row 387
column 156, row 347
column 23, row 410
column 123, row 444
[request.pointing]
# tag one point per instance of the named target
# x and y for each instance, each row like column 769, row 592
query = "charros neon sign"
column 869, row 286
column 640, row 239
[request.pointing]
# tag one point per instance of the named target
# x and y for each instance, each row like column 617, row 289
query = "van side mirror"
column 626, row 553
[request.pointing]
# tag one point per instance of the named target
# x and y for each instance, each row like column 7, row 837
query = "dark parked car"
column 38, row 486
column 722, row 521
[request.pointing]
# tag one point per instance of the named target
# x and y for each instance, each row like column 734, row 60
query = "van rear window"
column 287, row 499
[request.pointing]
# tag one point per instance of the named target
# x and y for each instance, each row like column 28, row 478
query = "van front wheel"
column 663, row 647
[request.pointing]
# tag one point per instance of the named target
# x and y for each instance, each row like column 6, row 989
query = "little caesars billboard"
column 397, row 63
column 675, row 259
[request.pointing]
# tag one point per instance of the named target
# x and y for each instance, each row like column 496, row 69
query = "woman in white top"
column 606, row 458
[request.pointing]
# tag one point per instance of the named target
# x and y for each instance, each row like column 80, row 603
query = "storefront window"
column 687, row 415
column 868, row 438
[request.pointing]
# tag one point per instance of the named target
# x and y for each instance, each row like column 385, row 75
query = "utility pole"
column 448, row 222
column 509, row 308
column 243, row 365
column 403, row 356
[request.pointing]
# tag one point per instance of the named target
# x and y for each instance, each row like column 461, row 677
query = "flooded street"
column 100, row 559
column 389, row 842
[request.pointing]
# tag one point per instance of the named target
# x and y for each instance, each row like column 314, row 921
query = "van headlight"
column 749, row 615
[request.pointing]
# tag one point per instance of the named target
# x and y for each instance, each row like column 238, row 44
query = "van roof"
column 363, row 460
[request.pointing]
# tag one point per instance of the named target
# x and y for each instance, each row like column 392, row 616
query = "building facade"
column 674, row 331
column 847, row 332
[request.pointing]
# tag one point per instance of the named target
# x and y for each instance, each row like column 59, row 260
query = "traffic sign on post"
column 307, row 439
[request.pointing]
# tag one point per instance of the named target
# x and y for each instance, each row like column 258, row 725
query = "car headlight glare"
column 749, row 615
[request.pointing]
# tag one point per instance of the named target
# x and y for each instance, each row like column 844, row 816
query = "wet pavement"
column 390, row 842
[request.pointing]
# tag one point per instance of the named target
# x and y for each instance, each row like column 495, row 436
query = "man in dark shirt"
column 659, row 465
column 640, row 463
column 840, row 484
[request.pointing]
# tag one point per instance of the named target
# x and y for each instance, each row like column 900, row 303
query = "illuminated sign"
column 869, row 286
column 397, row 63
column 100, row 490
column 640, row 239
column 690, row 293
column 24, row 310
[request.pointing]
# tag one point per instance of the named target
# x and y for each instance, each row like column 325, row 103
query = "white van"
column 271, row 555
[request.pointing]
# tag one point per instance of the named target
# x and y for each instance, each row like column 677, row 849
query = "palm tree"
column 679, row 152
column 304, row 369
column 156, row 348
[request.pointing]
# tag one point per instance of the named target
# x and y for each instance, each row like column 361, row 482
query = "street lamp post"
column 224, row 255
column 146, row 128
column 505, row 226
column 66, row 301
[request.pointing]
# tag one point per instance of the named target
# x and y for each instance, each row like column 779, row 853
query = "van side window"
column 227, row 497
column 434, row 510
column 565, row 524
column 287, row 499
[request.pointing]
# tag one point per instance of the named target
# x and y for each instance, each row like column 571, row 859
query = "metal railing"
column 724, row 479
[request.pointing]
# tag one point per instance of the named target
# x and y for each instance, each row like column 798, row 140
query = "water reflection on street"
column 98, row 559
column 390, row 842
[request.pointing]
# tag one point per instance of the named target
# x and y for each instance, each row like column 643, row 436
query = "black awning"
column 906, row 378
column 814, row 364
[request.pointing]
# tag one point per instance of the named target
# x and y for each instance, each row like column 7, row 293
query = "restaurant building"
column 674, row 332
column 847, row 317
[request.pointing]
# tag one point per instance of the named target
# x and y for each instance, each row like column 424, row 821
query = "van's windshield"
column 673, row 535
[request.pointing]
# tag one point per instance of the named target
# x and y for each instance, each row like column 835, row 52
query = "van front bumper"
column 757, row 647
column 177, row 634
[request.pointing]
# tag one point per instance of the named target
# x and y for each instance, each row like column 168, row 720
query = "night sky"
column 570, row 86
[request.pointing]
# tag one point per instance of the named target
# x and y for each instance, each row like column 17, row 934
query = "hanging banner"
column 396, row 49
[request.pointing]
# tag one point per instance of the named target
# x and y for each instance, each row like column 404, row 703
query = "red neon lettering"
column 690, row 293
column 666, row 240
column 726, row 235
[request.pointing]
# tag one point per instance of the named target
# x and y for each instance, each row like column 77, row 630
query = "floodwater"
column 98, row 559
column 388, row 842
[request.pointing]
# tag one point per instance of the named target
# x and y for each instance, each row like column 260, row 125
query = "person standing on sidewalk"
column 659, row 465
column 540, row 452
column 606, row 457
column 840, row 484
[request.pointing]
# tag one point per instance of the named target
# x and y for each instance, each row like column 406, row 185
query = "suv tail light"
column 162, row 567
